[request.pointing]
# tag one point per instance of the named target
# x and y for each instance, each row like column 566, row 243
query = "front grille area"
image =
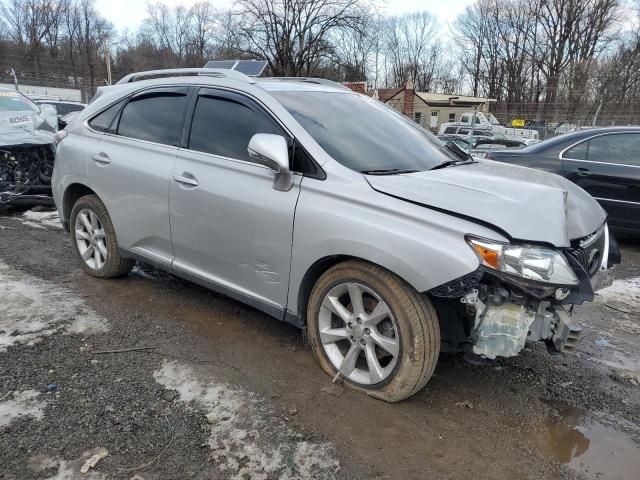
column 588, row 251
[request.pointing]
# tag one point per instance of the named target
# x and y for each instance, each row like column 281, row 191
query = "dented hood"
column 21, row 127
column 528, row 205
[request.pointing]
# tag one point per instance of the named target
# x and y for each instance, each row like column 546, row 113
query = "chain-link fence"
column 565, row 118
column 74, row 88
column 56, row 78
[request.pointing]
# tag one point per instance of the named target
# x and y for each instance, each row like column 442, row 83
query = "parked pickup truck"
column 487, row 121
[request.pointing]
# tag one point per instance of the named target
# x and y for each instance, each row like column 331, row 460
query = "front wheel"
column 94, row 239
column 374, row 329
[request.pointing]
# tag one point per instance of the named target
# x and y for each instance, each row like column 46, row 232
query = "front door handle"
column 186, row 179
column 584, row 172
column 101, row 158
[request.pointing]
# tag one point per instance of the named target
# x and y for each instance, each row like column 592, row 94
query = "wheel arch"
column 71, row 195
column 314, row 272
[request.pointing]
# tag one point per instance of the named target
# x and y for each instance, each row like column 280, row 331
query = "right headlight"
column 531, row 262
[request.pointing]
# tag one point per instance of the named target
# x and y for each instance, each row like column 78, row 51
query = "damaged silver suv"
column 326, row 209
column 26, row 150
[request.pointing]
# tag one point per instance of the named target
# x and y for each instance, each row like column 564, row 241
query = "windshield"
column 16, row 102
column 364, row 134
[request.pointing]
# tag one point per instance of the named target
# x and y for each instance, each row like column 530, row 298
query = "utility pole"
column 473, row 121
column 15, row 78
column 376, row 9
column 108, row 58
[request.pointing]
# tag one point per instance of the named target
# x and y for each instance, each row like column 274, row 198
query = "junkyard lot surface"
column 516, row 418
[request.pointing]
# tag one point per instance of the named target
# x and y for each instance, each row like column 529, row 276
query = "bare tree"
column 412, row 48
column 353, row 50
column 293, row 35
column 471, row 33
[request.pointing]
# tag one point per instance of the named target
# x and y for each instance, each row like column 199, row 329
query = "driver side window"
column 222, row 126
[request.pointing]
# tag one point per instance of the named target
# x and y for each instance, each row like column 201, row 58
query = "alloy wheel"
column 91, row 239
column 359, row 333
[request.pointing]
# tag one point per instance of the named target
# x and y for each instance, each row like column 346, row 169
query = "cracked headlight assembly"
column 530, row 262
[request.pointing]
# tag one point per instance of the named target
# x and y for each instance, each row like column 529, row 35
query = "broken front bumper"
column 503, row 330
column 501, row 312
column 25, row 175
column 511, row 318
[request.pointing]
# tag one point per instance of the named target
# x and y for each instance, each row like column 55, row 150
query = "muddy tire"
column 94, row 239
column 386, row 344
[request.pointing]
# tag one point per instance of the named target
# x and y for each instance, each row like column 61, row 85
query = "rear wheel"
column 94, row 239
column 374, row 329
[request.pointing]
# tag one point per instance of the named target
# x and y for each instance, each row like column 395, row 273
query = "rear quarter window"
column 155, row 116
column 104, row 121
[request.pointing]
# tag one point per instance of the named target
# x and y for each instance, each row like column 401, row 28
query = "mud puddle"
column 584, row 444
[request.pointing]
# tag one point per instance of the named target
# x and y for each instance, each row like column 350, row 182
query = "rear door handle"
column 101, row 158
column 186, row 179
column 584, row 172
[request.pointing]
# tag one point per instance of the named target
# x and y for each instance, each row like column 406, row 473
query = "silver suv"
column 328, row 210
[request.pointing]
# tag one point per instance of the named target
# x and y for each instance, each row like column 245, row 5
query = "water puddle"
column 588, row 446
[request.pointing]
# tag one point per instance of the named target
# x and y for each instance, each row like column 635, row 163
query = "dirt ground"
column 157, row 378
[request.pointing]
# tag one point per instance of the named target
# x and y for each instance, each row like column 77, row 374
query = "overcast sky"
column 129, row 13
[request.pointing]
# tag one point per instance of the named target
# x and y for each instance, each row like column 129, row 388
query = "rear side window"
column 579, row 152
column 621, row 148
column 103, row 122
column 155, row 116
column 222, row 126
column 450, row 130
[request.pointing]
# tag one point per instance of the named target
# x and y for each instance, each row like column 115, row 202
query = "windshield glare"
column 364, row 134
column 16, row 102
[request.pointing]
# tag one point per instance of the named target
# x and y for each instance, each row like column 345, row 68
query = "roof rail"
column 319, row 81
column 181, row 72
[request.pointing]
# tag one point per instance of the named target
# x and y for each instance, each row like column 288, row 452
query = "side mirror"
column 49, row 116
column 47, row 109
column 272, row 151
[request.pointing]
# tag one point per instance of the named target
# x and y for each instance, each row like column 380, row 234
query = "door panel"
column 608, row 167
column 134, row 187
column 229, row 225
column 131, row 166
column 233, row 228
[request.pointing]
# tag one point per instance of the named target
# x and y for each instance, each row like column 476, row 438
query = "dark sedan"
column 603, row 161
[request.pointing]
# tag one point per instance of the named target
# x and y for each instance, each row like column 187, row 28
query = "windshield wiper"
column 388, row 171
column 459, row 152
column 465, row 158
column 451, row 163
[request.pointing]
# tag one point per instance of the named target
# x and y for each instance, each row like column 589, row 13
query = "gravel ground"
column 154, row 377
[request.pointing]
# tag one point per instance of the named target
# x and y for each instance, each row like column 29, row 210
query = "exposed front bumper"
column 503, row 330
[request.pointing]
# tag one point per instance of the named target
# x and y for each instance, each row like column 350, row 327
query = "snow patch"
column 247, row 437
column 626, row 292
column 41, row 219
column 70, row 471
column 31, row 224
column 20, row 404
column 31, row 309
